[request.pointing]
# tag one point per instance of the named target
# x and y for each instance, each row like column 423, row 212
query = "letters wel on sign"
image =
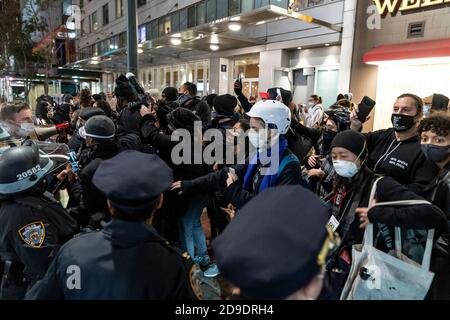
column 393, row 6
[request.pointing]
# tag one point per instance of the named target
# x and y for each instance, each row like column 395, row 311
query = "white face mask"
column 26, row 128
column 310, row 105
column 345, row 169
column 253, row 137
column 82, row 132
column 260, row 139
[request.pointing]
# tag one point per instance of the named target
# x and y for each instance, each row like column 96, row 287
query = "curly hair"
column 438, row 123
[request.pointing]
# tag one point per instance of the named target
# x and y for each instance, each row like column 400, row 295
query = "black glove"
column 238, row 87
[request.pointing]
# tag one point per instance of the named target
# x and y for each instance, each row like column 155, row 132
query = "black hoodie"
column 404, row 162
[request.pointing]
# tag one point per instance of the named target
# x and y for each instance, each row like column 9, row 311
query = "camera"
column 143, row 98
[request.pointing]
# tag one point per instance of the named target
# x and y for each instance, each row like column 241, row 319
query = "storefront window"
column 211, row 10
column 247, row 5
column 164, row 26
column 183, row 19
column 327, row 85
column 191, row 17
column 261, row 3
column 222, row 9
column 200, row 13
column 234, row 7
column 176, row 22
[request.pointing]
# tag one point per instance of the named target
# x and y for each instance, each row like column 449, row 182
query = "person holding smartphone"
column 396, row 151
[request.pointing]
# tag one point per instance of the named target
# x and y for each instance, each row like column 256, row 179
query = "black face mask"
column 402, row 122
column 328, row 136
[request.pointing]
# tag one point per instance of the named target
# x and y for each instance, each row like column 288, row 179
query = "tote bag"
column 376, row 275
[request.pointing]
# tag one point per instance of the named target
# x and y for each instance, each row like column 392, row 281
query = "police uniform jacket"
column 126, row 260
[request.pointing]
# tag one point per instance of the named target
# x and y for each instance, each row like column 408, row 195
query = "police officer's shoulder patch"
column 33, row 234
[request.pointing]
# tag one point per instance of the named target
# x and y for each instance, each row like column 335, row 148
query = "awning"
column 198, row 40
column 409, row 51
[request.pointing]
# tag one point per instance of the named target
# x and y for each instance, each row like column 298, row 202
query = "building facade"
column 405, row 50
column 303, row 45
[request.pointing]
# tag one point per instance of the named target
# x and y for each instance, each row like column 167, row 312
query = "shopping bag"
column 376, row 275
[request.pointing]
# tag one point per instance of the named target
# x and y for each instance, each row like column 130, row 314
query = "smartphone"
column 365, row 108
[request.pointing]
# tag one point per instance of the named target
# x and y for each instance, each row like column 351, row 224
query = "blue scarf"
column 268, row 180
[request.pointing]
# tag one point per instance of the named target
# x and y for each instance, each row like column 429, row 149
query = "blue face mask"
column 435, row 153
column 183, row 98
column 345, row 169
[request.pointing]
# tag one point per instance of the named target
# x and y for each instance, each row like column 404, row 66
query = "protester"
column 396, row 152
column 189, row 209
column 312, row 114
column 128, row 122
column 19, row 120
column 435, row 138
column 321, row 173
column 76, row 142
column 85, row 199
column 244, row 181
column 63, row 111
column 350, row 199
column 188, row 99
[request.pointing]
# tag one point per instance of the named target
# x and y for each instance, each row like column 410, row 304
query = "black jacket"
column 126, row 260
column 128, row 122
column 407, row 164
column 200, row 108
column 85, row 198
column 246, row 105
column 235, row 194
column 32, row 228
column 164, row 145
column 440, row 191
column 421, row 217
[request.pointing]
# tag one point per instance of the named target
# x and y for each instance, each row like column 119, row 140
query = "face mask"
column 183, row 98
column 328, row 136
column 402, row 122
column 82, row 132
column 310, row 105
column 345, row 169
column 26, row 128
column 253, row 137
column 435, row 153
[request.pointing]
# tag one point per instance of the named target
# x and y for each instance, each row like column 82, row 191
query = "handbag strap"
column 368, row 234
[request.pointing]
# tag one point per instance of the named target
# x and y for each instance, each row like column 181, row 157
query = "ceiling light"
column 327, row 44
column 234, row 26
column 94, row 62
column 176, row 35
column 140, row 51
column 175, row 41
column 140, row 45
column 235, row 19
column 94, row 58
column 159, row 47
column 260, row 22
column 214, row 39
column 214, row 47
column 299, row 48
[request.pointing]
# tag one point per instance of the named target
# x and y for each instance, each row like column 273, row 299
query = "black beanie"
column 124, row 89
column 182, row 118
column 225, row 105
column 352, row 141
column 170, row 93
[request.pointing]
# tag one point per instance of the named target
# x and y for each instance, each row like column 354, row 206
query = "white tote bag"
column 376, row 275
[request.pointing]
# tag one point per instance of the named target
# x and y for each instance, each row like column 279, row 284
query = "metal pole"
column 132, row 37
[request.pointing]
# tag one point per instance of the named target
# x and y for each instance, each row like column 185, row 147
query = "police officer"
column 32, row 223
column 127, row 259
column 276, row 246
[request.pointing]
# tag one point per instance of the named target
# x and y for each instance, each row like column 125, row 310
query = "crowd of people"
column 138, row 223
